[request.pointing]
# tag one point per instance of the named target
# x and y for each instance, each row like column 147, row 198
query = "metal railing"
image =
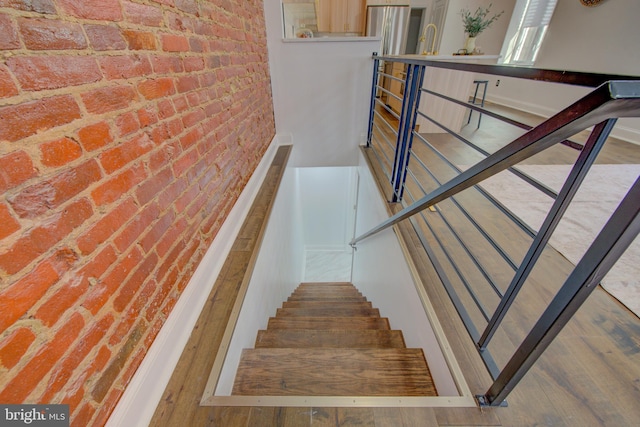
column 415, row 166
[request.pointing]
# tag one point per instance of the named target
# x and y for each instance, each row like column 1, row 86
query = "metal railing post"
column 413, row 83
column 372, row 103
column 579, row 171
column 616, row 236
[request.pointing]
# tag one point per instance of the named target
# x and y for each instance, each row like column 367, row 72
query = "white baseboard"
column 621, row 132
column 140, row 399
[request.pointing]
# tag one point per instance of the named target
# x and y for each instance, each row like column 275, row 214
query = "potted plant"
column 476, row 23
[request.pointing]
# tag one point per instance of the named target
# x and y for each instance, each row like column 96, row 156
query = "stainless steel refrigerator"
column 390, row 23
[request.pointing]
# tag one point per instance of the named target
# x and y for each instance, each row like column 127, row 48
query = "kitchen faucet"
column 433, row 43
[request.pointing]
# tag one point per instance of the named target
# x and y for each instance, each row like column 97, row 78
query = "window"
column 526, row 31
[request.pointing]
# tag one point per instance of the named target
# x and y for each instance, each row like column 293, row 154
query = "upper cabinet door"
column 340, row 16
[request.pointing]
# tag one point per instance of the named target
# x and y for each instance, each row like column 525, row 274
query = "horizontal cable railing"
column 481, row 265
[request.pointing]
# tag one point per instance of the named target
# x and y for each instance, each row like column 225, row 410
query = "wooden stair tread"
column 328, row 299
column 328, row 311
column 328, row 323
column 319, row 304
column 329, row 338
column 354, row 372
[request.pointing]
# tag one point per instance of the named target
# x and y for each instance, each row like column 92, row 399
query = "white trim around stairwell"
column 140, row 399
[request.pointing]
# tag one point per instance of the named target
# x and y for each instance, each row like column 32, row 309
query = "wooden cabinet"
column 340, row 16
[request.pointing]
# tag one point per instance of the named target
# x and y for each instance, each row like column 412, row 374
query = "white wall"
column 277, row 272
column 321, row 93
column 381, row 273
column 490, row 40
column 601, row 39
column 327, row 199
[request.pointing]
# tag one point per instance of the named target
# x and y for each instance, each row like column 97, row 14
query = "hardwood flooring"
column 589, row 376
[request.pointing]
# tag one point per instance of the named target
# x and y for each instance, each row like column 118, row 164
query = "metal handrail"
column 612, row 99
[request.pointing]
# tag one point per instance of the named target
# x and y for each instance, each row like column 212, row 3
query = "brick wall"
column 127, row 131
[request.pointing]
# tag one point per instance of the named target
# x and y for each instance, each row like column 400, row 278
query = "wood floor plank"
column 354, row 372
column 328, row 323
column 307, row 338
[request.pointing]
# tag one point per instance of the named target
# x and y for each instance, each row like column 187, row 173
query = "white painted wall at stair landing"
column 277, row 272
column 327, row 197
column 381, row 273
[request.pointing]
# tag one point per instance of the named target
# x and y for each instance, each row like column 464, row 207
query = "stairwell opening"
column 316, row 213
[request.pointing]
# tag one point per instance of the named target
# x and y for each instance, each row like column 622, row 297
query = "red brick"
column 184, row 163
column 125, row 66
column 119, row 156
column 105, row 37
column 52, row 72
column 9, row 38
column 106, row 407
column 107, row 226
column 193, row 118
column 169, row 239
column 60, row 152
column 140, row 40
column 49, row 34
column 171, row 194
column 83, row 417
column 151, row 187
column 158, row 230
column 18, row 389
column 8, row 224
column 22, row 295
column 118, row 186
column 127, row 123
column 7, row 87
column 180, row 103
column 167, row 2
column 15, row 346
column 107, row 99
column 39, row 6
column 165, row 109
column 180, row 23
column 43, row 237
column 76, row 287
column 15, row 168
column 132, row 232
column 147, row 117
column 156, row 88
column 95, row 136
column 195, row 45
column 167, row 64
column 65, row 370
column 188, row 6
column 134, row 283
column 23, row 120
column 108, row 10
column 143, row 14
column 162, row 293
column 159, row 134
column 187, row 83
column 100, row 293
column 174, row 43
column 193, row 64
column 51, row 193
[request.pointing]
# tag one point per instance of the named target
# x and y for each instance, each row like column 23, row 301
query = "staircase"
column 327, row 340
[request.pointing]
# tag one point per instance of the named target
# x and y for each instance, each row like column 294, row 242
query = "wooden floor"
column 589, row 376
column 303, row 351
